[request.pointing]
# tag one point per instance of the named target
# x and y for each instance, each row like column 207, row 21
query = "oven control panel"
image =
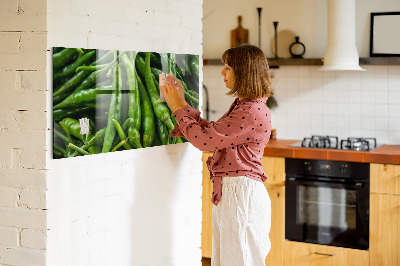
column 337, row 169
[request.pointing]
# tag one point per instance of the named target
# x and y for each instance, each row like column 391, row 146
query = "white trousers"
column 241, row 223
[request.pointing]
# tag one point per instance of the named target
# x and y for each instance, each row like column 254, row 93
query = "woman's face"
column 229, row 76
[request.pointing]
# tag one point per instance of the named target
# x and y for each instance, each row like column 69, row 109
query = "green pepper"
column 121, row 134
column 183, row 60
column 76, row 80
column 114, row 111
column 59, row 114
column 96, row 139
column 72, row 127
column 80, row 98
column 194, row 64
column 63, row 57
column 70, row 69
column 76, row 148
column 162, row 131
column 134, row 111
column 148, row 123
column 161, row 109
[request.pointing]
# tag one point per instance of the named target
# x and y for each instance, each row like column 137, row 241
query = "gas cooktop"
column 332, row 142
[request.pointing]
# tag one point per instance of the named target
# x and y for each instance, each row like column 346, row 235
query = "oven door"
column 327, row 213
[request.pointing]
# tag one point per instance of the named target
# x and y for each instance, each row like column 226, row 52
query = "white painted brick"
column 9, row 237
column 7, row 81
column 9, row 42
column 190, row 22
column 34, row 120
column 23, row 100
column 33, row 239
column 33, row 159
column 98, row 222
column 5, row 158
column 23, row 139
column 23, row 178
column 23, row 218
column 179, row 7
column 18, row 256
column 23, row 16
column 31, row 55
column 31, row 80
column 33, row 199
column 8, row 197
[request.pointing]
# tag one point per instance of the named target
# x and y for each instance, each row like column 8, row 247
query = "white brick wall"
column 139, row 207
column 98, row 211
column 23, row 132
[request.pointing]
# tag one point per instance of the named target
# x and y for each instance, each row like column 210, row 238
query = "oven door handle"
column 357, row 185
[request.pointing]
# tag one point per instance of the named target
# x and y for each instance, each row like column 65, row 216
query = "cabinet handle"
column 325, row 254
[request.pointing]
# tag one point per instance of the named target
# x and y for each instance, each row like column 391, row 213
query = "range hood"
column 341, row 51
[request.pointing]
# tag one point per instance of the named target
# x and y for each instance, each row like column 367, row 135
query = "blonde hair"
column 250, row 66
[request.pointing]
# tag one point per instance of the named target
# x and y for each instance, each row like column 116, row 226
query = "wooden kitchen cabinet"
column 385, row 178
column 274, row 168
column 206, row 232
column 277, row 233
column 384, row 236
column 306, row 254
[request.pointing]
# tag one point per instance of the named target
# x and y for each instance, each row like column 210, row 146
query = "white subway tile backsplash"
column 368, row 123
column 394, row 110
column 342, row 122
column 394, row 123
column 292, row 82
column 381, row 110
column 365, row 99
column 355, row 96
column 303, row 82
column 381, row 97
column 394, row 83
column 394, row 137
column 381, row 84
column 291, row 71
column 394, row 97
column 381, row 122
column 393, row 71
column 381, row 136
column 380, row 71
column 367, row 110
column 329, row 109
column 367, row 96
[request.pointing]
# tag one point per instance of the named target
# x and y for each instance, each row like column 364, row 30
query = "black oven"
column 327, row 202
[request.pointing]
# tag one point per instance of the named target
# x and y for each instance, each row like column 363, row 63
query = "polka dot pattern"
column 238, row 139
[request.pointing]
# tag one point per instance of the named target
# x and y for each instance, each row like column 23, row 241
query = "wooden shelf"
column 380, row 61
column 274, row 63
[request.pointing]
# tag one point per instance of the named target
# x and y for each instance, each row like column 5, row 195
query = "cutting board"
column 239, row 35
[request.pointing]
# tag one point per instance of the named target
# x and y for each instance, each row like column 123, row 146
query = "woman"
column 242, row 208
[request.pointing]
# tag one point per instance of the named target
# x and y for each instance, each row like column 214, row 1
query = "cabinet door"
column 274, row 168
column 206, row 233
column 384, row 236
column 305, row 254
column 277, row 233
column 385, row 178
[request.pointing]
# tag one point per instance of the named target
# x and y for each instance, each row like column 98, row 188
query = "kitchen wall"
column 311, row 102
column 23, row 132
column 137, row 207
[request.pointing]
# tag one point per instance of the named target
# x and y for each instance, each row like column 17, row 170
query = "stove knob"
column 343, row 168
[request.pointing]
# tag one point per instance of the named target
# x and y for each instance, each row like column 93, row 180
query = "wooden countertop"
column 389, row 154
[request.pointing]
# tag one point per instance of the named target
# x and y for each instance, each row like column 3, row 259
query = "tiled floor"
column 206, row 261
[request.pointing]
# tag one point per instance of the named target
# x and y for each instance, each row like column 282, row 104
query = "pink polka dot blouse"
column 238, row 139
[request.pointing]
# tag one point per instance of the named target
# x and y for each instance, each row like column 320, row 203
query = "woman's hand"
column 174, row 93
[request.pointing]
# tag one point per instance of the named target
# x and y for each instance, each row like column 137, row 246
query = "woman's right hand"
column 174, row 93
